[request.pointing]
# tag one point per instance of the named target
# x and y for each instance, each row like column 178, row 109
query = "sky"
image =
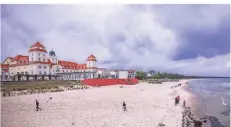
column 183, row 39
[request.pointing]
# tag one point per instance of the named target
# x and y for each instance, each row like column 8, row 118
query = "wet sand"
column 148, row 105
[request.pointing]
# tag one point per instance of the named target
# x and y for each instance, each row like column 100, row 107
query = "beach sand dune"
column 148, row 105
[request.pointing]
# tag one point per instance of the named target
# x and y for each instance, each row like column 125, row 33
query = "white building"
column 39, row 62
column 122, row 74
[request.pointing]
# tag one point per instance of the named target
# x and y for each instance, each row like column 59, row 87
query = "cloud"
column 202, row 30
column 124, row 36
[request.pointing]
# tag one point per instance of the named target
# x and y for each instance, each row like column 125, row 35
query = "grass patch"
column 38, row 85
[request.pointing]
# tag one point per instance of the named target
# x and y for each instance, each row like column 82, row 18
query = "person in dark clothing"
column 175, row 100
column 184, row 103
column 37, row 105
column 124, row 106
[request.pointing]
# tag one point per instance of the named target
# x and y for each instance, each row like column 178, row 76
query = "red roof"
column 37, row 44
column 39, row 50
column 131, row 71
column 11, row 58
column 21, row 58
column 4, row 66
column 91, row 58
column 66, row 63
column 71, row 65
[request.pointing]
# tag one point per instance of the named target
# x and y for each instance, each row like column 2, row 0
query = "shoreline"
column 201, row 109
column 190, row 113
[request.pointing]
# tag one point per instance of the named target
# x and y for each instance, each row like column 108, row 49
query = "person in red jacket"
column 178, row 99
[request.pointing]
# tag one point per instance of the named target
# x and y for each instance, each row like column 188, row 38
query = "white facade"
column 30, row 69
column 123, row 74
column 38, row 62
column 37, row 56
column 91, row 64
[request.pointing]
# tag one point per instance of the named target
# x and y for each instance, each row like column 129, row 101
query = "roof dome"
column 91, row 58
column 52, row 53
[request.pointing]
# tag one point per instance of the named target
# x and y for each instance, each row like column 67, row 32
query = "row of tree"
column 142, row 75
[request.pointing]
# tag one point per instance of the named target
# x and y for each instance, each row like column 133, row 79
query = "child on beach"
column 37, row 105
column 124, row 106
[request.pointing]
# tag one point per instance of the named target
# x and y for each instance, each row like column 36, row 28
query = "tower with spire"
column 53, row 57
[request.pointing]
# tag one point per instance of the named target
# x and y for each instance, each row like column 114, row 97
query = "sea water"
column 212, row 98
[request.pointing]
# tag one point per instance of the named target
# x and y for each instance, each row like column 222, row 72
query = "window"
column 39, row 66
column 45, row 67
column 32, row 59
column 44, row 59
column 32, row 54
column 45, row 73
column 40, row 72
column 39, row 54
column 39, row 59
column 44, row 54
column 26, row 72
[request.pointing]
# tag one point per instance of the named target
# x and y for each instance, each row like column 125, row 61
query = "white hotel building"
column 39, row 62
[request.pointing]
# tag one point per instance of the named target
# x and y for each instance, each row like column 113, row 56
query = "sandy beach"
column 148, row 105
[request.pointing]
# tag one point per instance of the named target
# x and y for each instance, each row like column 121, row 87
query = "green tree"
column 140, row 75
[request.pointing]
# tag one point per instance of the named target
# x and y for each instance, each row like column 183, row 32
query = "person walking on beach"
column 124, row 106
column 37, row 105
column 184, row 103
column 175, row 101
column 178, row 99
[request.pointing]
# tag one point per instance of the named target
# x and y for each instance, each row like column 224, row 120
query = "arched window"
column 26, row 72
